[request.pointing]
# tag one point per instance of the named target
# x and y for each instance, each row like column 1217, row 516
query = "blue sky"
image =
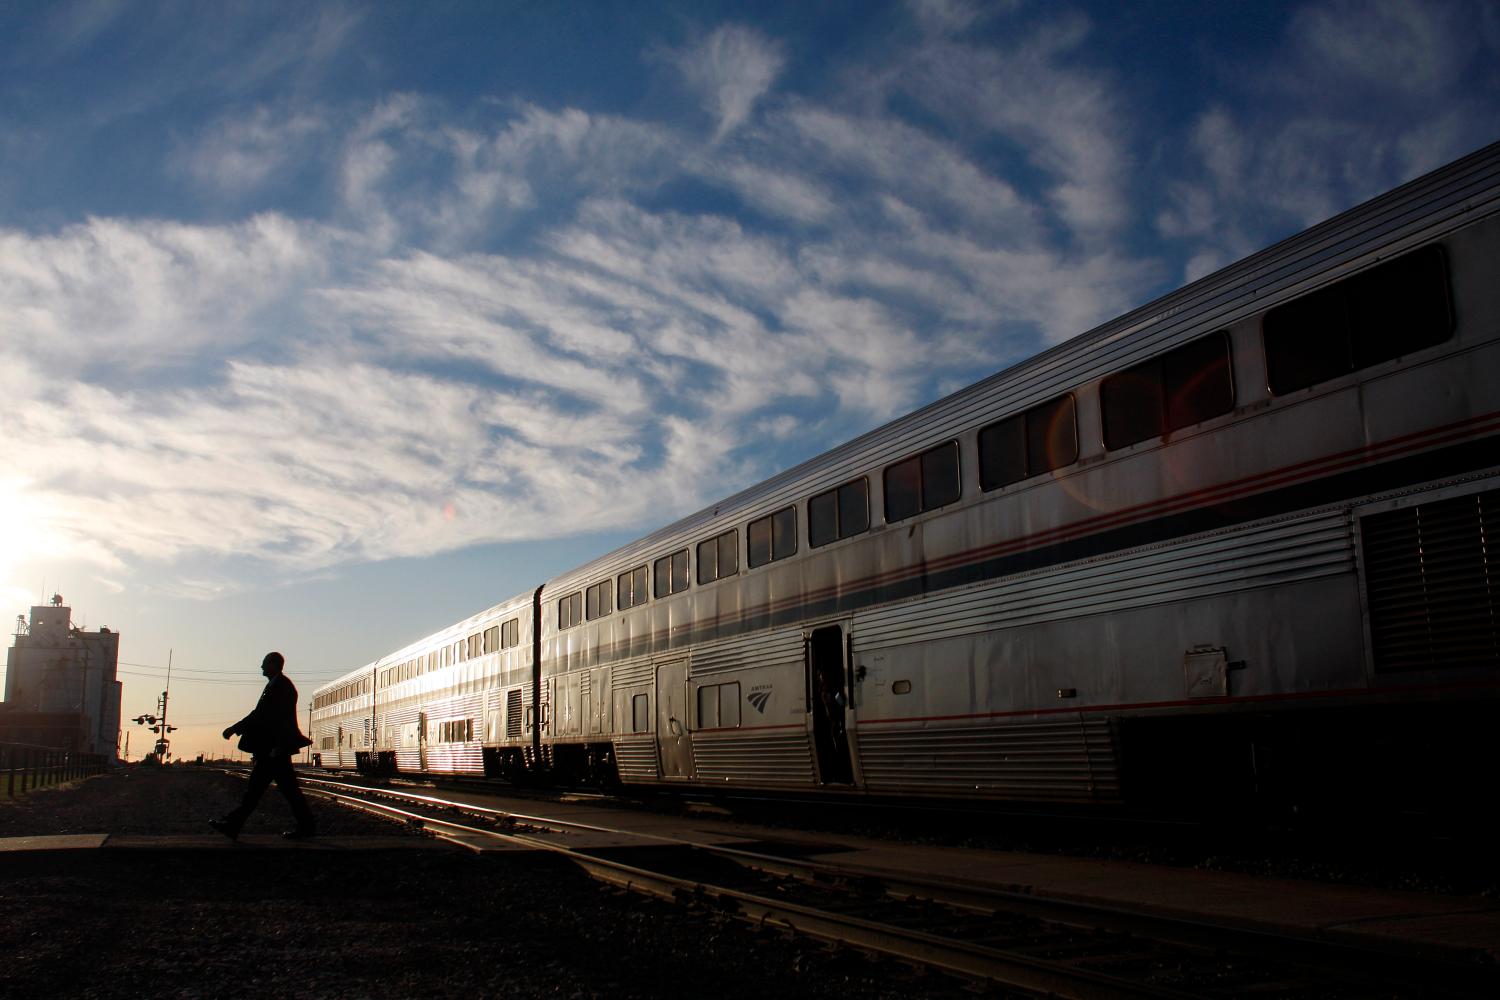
column 324, row 325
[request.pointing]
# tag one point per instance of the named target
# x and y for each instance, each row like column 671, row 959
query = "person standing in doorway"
column 272, row 735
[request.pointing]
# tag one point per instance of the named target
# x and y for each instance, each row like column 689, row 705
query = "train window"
column 839, row 513
column 1389, row 310
column 492, row 639
column 1185, row 386
column 570, row 610
column 718, row 557
column 640, row 713
column 598, row 600
column 708, row 707
column 719, row 706
column 510, row 633
column 456, row 731
column 772, row 537
column 1028, row 444
column 671, row 573
column 631, row 588
column 921, row 483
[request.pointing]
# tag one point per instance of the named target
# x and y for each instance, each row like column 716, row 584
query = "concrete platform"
column 63, row 842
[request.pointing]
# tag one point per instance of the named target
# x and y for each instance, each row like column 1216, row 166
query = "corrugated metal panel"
column 757, row 649
column 1279, row 552
column 636, row 758
column 514, row 714
column 633, row 674
column 1432, row 581
column 1067, row 758
column 455, row 758
column 758, row 759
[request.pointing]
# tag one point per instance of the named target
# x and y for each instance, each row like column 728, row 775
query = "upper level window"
column 671, row 573
column 492, row 639
column 570, row 610
column 1391, row 309
column 922, row 483
column 597, row 602
column 719, row 556
column 1028, row 444
column 631, row 588
column 1185, row 386
column 510, row 633
column 839, row 513
column 772, row 537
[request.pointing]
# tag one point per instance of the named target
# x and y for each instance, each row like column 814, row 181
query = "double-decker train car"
column 458, row 701
column 1242, row 539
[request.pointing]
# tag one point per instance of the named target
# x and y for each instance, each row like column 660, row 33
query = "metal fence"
column 24, row 767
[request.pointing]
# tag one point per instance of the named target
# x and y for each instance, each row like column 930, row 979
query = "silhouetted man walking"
column 271, row 733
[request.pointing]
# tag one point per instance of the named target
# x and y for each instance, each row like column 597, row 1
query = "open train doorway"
column 828, row 701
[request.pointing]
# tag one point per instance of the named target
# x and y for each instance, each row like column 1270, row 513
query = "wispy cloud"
column 240, row 153
column 731, row 70
column 127, row 295
column 1036, row 92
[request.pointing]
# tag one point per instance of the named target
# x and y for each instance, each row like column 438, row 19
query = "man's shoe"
column 300, row 833
column 225, row 827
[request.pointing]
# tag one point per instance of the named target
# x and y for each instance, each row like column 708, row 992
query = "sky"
column 323, row 326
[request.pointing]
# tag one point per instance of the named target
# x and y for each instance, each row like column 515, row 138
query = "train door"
column 672, row 736
column 828, row 701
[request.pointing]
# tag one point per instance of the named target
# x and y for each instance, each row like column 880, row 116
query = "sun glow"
column 23, row 535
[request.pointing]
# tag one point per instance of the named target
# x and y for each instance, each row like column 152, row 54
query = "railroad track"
column 1012, row 940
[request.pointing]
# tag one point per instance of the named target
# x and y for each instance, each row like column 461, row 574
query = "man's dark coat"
column 271, row 727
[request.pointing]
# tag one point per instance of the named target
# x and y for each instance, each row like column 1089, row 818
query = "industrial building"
column 61, row 688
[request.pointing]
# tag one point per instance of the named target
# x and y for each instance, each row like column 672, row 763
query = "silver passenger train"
column 1245, row 539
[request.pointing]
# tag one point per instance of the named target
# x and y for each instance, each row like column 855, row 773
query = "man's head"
column 272, row 664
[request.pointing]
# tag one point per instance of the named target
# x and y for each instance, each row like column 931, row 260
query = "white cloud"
column 1036, row 92
column 951, row 17
column 239, row 154
column 731, row 69
column 1411, row 50
column 889, row 155
column 113, row 293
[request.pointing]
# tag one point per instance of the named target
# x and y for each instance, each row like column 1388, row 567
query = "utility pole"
column 158, row 723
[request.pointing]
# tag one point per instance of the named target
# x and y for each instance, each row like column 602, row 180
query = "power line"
column 187, row 680
column 183, row 670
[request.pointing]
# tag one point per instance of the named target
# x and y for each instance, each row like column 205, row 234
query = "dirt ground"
column 258, row 921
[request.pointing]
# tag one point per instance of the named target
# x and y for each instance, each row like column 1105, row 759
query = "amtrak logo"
column 759, row 699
